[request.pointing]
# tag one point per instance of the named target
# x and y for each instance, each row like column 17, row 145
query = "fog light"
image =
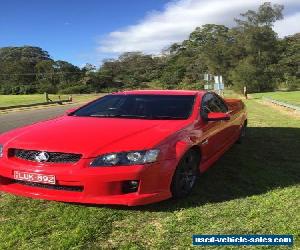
column 130, row 186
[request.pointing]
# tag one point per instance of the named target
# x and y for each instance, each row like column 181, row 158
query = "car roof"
column 160, row 92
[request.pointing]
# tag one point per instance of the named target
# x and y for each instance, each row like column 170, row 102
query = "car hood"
column 92, row 136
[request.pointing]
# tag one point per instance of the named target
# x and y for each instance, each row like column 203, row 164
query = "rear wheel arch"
column 242, row 132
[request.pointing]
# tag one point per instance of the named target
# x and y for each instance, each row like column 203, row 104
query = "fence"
column 283, row 104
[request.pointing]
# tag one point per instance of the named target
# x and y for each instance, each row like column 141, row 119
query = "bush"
column 5, row 89
column 23, row 89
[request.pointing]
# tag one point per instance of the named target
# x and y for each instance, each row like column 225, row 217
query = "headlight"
column 126, row 158
column 1, row 150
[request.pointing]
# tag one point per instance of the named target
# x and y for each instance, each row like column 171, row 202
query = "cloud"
column 179, row 18
column 288, row 26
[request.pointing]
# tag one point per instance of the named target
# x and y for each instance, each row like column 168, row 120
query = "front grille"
column 54, row 157
column 48, row 186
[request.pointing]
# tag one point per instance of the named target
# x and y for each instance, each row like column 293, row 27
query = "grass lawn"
column 253, row 189
column 10, row 100
column 292, row 97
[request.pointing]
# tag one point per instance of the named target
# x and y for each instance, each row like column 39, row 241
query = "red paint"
column 218, row 116
column 92, row 137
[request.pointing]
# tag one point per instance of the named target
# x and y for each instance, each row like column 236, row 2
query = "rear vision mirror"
column 217, row 116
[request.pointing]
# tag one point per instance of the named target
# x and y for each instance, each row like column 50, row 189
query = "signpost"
column 208, row 78
column 218, row 83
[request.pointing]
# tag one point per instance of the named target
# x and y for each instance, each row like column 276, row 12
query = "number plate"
column 33, row 177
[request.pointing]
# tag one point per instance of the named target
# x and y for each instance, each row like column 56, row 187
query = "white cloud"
column 179, row 18
column 288, row 26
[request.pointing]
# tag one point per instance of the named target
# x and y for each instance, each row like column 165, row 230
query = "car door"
column 214, row 132
column 228, row 128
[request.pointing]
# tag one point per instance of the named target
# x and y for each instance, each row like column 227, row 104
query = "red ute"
column 130, row 148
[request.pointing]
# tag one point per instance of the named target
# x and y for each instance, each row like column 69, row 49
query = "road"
column 21, row 118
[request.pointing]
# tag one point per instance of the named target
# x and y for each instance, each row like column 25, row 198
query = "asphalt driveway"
column 17, row 119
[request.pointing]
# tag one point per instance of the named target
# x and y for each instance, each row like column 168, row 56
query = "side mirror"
column 69, row 111
column 217, row 116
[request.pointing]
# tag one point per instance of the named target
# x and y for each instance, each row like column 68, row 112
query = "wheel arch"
column 182, row 148
column 174, row 180
column 197, row 149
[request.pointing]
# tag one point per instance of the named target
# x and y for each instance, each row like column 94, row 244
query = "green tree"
column 131, row 68
column 213, row 42
column 258, row 43
column 135, row 67
column 46, row 76
column 109, row 71
column 175, row 69
column 67, row 73
column 29, row 54
column 17, row 68
column 289, row 63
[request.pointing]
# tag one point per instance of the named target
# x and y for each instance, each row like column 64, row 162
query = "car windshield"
column 153, row 107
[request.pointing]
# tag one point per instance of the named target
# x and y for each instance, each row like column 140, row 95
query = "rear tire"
column 185, row 175
column 242, row 133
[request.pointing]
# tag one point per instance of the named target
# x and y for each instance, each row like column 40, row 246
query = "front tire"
column 186, row 174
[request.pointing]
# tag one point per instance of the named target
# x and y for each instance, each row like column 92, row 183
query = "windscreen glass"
column 140, row 107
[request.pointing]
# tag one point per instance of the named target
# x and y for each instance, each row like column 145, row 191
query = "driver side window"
column 222, row 105
column 212, row 103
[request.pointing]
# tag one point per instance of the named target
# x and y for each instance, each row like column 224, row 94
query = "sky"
column 91, row 30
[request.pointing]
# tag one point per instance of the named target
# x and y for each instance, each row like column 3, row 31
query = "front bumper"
column 101, row 185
